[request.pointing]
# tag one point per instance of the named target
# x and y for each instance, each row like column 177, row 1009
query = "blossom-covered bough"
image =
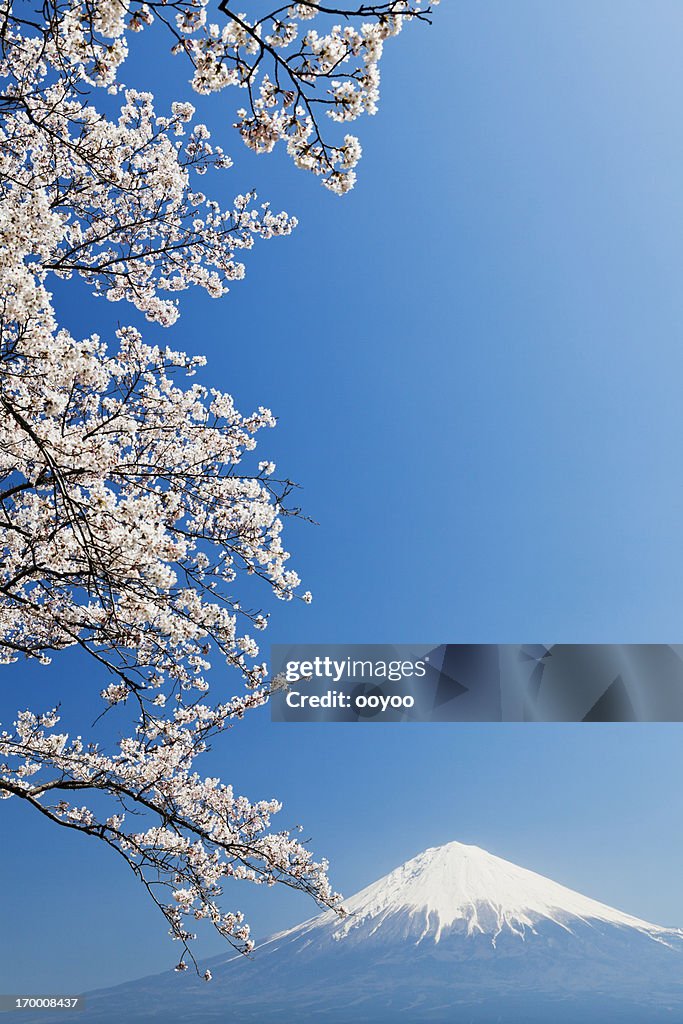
column 132, row 507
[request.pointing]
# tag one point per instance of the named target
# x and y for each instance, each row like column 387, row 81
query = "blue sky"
column 476, row 360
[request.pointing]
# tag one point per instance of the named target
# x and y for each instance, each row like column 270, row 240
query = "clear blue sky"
column 476, row 360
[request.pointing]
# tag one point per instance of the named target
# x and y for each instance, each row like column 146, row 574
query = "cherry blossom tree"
column 132, row 507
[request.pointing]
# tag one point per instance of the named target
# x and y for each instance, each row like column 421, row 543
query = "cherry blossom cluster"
column 134, row 515
column 296, row 65
column 123, row 485
column 132, row 506
column 197, row 832
column 128, row 516
column 115, row 201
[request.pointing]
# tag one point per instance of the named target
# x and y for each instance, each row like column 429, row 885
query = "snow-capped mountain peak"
column 466, row 890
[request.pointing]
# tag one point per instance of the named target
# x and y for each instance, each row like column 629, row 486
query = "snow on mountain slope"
column 458, row 888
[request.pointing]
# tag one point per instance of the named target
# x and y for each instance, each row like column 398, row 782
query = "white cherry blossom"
column 133, row 510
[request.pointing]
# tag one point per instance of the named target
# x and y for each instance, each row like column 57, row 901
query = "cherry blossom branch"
column 134, row 514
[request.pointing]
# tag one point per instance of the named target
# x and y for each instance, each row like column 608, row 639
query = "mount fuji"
column 453, row 936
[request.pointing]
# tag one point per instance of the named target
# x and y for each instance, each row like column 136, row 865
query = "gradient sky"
column 476, row 360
